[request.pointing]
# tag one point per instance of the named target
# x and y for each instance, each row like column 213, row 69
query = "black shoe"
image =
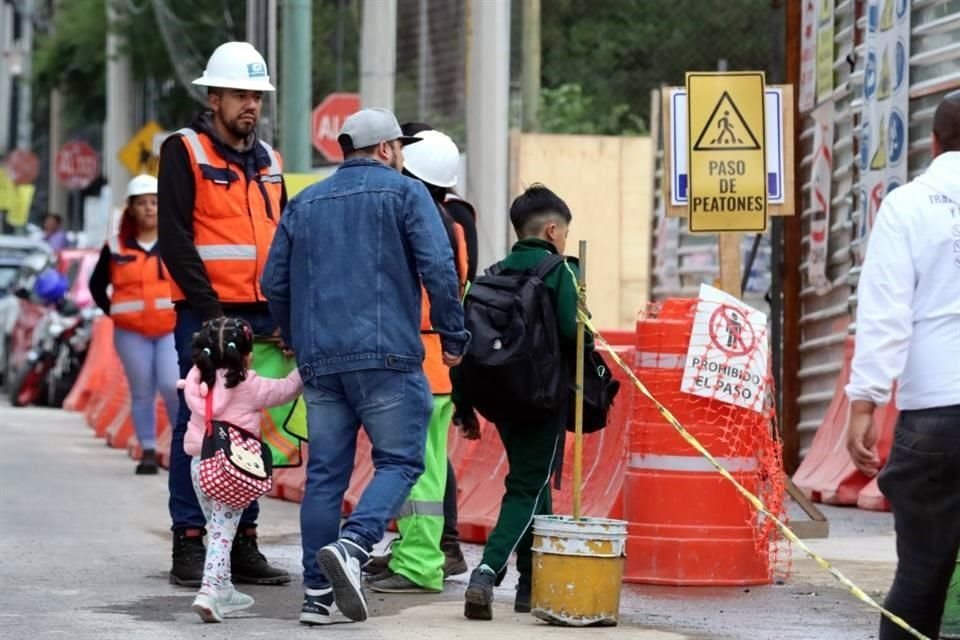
column 249, row 566
column 454, row 563
column 148, row 463
column 478, row 598
column 378, row 565
column 341, row 564
column 189, row 555
column 522, row 603
column 318, row 610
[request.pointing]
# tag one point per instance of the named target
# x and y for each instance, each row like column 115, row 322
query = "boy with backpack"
column 523, row 315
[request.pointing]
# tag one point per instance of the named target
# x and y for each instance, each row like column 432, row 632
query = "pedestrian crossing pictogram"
column 726, row 129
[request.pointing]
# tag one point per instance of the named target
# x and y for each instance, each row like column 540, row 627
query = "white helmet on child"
column 236, row 65
column 141, row 185
column 435, row 159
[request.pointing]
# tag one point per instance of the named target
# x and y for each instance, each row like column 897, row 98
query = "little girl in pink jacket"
column 222, row 352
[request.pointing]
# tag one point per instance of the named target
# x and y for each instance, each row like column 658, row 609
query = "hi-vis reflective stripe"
column 163, row 303
column 192, row 139
column 420, row 508
column 652, row 462
column 274, row 160
column 131, row 306
column 649, row 360
column 227, row 251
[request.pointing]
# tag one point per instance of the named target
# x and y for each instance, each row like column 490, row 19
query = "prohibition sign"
column 740, row 338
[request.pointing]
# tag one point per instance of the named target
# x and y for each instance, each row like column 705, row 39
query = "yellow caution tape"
column 752, row 499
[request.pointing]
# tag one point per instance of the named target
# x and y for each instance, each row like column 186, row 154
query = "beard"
column 241, row 128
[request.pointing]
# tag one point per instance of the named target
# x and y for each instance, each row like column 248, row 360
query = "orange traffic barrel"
column 687, row 524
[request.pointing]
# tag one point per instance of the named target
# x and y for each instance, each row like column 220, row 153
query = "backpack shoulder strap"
column 548, row 264
column 495, row 270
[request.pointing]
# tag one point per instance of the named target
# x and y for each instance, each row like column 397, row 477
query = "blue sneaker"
column 342, row 563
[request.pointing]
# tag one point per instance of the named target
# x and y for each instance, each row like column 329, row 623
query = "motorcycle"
column 57, row 353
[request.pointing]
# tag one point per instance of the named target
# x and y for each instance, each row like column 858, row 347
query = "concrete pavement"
column 84, row 550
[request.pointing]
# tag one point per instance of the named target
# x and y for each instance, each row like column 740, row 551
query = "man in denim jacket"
column 343, row 280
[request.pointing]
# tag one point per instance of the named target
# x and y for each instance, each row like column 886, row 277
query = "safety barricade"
column 687, row 525
column 90, row 379
column 827, row 474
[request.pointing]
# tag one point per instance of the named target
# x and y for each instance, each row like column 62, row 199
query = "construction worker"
column 221, row 193
column 418, row 562
column 908, row 329
column 142, row 314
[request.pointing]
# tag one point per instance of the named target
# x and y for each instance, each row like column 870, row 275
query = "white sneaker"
column 207, row 607
column 231, row 601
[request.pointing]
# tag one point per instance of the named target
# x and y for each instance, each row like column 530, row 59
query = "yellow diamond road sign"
column 725, row 133
column 141, row 154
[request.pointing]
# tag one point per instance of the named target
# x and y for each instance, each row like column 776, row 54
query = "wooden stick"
column 578, row 405
column 731, row 261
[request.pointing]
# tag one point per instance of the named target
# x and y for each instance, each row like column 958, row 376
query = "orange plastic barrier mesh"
column 687, row 525
column 826, row 474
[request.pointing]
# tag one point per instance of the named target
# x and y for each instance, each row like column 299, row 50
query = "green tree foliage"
column 617, row 51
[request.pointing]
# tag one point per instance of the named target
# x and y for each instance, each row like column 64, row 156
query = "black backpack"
column 514, row 367
column 599, row 390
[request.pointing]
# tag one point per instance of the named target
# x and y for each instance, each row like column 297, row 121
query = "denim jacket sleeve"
column 276, row 278
column 434, row 259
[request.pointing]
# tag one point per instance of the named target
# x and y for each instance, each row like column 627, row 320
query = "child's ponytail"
column 223, row 343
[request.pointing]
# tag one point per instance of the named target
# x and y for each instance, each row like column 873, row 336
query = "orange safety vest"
column 141, row 290
column 438, row 374
column 233, row 220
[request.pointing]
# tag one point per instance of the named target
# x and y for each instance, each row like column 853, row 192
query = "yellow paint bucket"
column 577, row 570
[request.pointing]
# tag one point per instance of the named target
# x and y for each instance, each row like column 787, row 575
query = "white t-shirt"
column 147, row 246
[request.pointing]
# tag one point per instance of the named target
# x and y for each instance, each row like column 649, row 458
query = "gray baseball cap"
column 368, row 127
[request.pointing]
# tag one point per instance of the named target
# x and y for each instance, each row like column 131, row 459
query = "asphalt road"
column 84, row 550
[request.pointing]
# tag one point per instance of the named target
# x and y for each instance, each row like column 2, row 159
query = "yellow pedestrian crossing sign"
column 141, row 154
column 727, row 188
column 726, row 129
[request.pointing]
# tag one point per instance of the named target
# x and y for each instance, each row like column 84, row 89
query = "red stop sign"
column 23, row 165
column 77, row 165
column 328, row 118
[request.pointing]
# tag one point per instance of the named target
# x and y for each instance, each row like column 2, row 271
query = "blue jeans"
column 394, row 408
column 151, row 367
column 185, row 511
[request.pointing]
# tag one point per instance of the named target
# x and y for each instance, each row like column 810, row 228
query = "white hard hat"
column 141, row 185
column 236, row 65
column 435, row 159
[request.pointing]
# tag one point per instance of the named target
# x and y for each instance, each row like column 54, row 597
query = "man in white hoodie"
column 908, row 330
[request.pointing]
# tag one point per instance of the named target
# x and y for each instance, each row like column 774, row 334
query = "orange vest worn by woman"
column 141, row 299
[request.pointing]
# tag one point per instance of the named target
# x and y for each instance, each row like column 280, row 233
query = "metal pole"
column 6, row 77
column 119, row 125
column 531, row 65
column 271, row 130
column 295, row 85
column 578, row 405
column 57, row 198
column 423, row 60
column 24, row 114
column 378, row 53
column 488, row 133
column 339, row 71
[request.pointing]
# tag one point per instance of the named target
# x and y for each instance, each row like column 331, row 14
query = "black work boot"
column 148, row 463
column 522, row 602
column 189, row 555
column 478, row 598
column 453, row 561
column 248, row 565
